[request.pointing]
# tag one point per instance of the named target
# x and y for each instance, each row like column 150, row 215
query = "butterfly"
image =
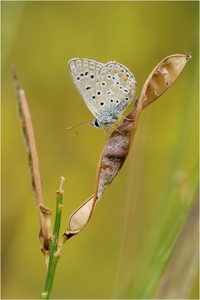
column 107, row 89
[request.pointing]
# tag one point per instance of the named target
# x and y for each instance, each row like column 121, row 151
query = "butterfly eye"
column 103, row 83
column 88, row 88
column 102, row 103
column 99, row 93
column 96, row 123
column 92, row 76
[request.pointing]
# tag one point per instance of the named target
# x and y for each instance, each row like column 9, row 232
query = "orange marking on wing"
column 131, row 85
column 103, row 73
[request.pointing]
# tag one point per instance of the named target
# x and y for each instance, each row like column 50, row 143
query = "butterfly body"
column 107, row 89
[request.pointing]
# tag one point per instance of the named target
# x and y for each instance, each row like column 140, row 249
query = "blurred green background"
column 146, row 205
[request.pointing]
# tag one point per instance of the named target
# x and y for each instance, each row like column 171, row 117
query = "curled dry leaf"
column 119, row 143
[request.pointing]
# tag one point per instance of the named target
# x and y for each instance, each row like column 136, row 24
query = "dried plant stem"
column 49, row 240
column 29, row 138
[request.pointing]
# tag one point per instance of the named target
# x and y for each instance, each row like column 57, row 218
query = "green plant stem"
column 53, row 243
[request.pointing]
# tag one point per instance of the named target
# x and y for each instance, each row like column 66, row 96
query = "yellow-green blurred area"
column 125, row 248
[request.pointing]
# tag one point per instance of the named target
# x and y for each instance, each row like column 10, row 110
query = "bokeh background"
column 114, row 256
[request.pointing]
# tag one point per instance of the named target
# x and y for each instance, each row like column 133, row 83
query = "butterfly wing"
column 84, row 72
column 106, row 89
column 115, row 88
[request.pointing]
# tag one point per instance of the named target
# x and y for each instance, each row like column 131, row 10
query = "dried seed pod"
column 119, row 143
column 163, row 76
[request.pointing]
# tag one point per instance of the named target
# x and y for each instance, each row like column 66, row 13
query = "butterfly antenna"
column 72, row 127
